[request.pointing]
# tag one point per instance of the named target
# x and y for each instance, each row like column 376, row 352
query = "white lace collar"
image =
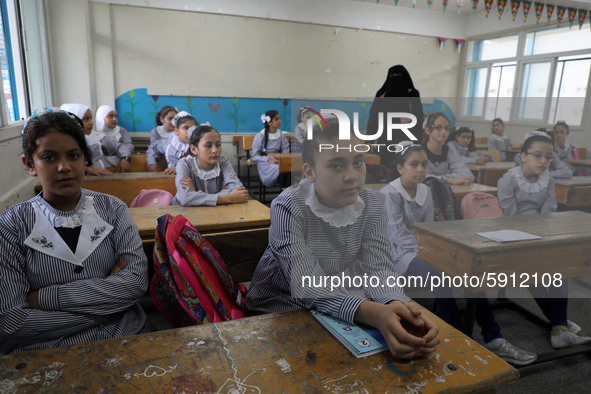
column 497, row 137
column 163, row 133
column 179, row 145
column 527, row 186
column 94, row 138
column 460, row 147
column 419, row 198
column 336, row 217
column 203, row 174
column 113, row 133
column 69, row 219
column 272, row 136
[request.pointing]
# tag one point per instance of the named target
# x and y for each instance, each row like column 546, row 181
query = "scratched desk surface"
column 281, row 352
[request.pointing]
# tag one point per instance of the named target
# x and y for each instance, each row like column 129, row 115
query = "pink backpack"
column 152, row 198
column 478, row 205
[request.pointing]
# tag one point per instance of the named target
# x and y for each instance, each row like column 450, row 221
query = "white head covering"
column 536, row 133
column 101, row 127
column 77, row 109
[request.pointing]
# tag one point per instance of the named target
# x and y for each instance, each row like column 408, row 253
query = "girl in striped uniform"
column 329, row 228
column 73, row 266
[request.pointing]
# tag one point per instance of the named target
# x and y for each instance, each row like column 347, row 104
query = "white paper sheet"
column 508, row 235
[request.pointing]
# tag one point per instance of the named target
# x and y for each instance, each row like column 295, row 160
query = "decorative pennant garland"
column 429, row 3
column 487, row 6
column 539, row 8
column 414, row 3
column 572, row 15
column 474, row 7
column 526, row 7
column 582, row 17
column 444, row 5
column 395, row 2
column 501, row 6
column 515, row 8
column 559, row 13
column 550, row 10
column 442, row 41
column 460, row 44
column 459, row 4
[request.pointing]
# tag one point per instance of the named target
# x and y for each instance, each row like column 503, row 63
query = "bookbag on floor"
column 191, row 284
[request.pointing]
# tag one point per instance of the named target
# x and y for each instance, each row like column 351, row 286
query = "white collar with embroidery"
column 203, row 174
column 94, row 138
column 163, row 133
column 336, row 217
column 419, row 198
column 179, row 145
column 497, row 137
column 527, row 186
column 272, row 136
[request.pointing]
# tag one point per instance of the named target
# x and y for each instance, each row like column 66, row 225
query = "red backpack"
column 478, row 205
column 191, row 284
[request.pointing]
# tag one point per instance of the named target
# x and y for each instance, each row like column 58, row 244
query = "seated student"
column 161, row 135
column 461, row 141
column 300, row 129
column 201, row 175
column 564, row 149
column 119, row 154
column 443, row 162
column 270, row 140
column 528, row 190
column 409, row 201
column 178, row 146
column 499, row 141
column 93, row 139
column 557, row 168
column 73, row 265
column 329, row 225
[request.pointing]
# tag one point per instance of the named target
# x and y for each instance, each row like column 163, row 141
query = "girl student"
column 73, row 266
column 300, row 130
column 93, row 138
column 201, row 175
column 270, row 140
column 527, row 190
column 443, row 161
column 329, row 225
column 499, row 141
column 461, row 141
column 178, row 147
column 557, row 168
column 409, row 201
column 563, row 149
column 162, row 134
column 119, row 154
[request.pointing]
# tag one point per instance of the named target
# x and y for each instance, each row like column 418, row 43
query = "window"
column 6, row 63
column 544, row 82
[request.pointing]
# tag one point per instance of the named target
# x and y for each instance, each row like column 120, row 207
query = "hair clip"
column 405, row 145
column 179, row 115
column 265, row 118
column 44, row 111
column 190, row 131
column 536, row 133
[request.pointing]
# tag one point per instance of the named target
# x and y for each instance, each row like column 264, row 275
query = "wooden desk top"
column 250, row 215
column 279, row 352
column 574, row 181
column 503, row 165
column 584, row 163
column 459, row 190
column 455, row 247
column 126, row 176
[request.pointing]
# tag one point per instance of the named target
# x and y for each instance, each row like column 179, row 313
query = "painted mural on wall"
column 137, row 110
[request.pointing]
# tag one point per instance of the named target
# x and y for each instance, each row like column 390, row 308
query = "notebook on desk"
column 361, row 340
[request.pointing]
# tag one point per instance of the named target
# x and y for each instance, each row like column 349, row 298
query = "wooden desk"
column 490, row 173
column 128, row 185
column 278, row 352
column 582, row 163
column 573, row 192
column 239, row 232
column 460, row 191
column 292, row 162
column 455, row 248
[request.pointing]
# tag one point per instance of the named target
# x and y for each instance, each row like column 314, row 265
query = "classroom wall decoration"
column 560, row 14
column 515, row 8
column 539, row 8
column 526, row 7
column 501, row 7
column 487, row 6
column 582, row 18
column 137, row 110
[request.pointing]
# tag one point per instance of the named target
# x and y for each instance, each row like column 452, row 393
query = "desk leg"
column 469, row 314
column 238, row 160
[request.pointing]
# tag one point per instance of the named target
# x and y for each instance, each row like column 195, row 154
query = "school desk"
column 239, row 232
column 582, row 162
column 573, row 192
column 292, row 162
column 490, row 173
column 242, row 143
column 278, row 352
column 460, row 191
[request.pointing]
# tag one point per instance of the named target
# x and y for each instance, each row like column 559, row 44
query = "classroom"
column 227, row 62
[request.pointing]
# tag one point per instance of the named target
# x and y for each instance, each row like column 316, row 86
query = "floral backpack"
column 191, row 284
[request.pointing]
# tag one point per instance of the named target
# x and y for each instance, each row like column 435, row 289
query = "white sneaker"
column 573, row 327
column 566, row 338
column 502, row 348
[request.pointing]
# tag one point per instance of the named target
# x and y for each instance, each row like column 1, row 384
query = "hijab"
column 101, row 127
column 397, row 83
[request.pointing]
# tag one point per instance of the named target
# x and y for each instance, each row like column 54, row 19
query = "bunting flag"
column 444, row 5
column 559, row 13
column 487, row 6
column 460, row 44
column 582, row 18
column 550, row 10
column 395, row 2
column 442, row 41
column 539, row 8
column 501, row 6
column 459, row 4
column 414, row 3
column 429, row 3
column 526, row 6
column 572, row 15
column 515, row 8
column 474, row 6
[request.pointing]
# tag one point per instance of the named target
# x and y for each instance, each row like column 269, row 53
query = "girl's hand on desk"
column 187, row 183
column 236, row 196
column 97, row 171
column 124, row 166
column 273, row 160
column 482, row 160
column 170, row 171
column 461, row 180
column 153, row 168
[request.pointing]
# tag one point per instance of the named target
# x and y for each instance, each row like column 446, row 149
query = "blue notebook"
column 361, row 340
